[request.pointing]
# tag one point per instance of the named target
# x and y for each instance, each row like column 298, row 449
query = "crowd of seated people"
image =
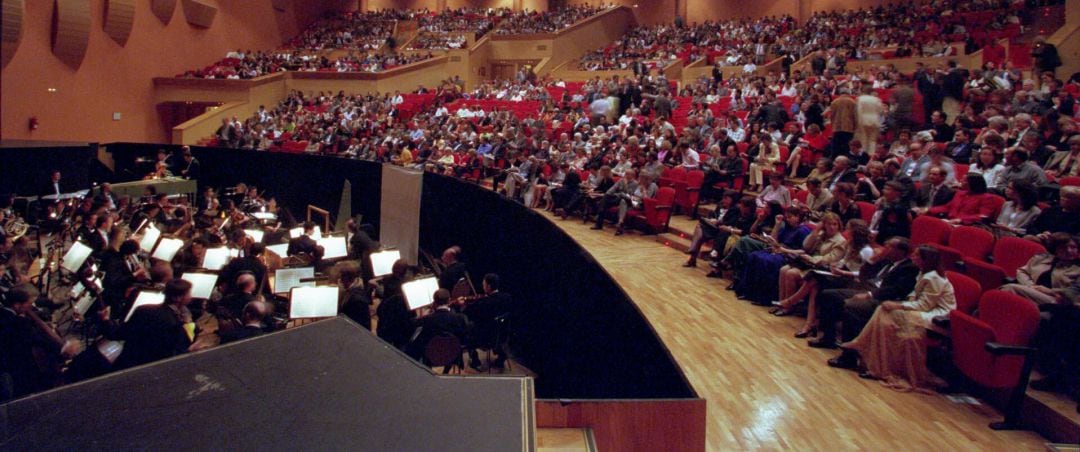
column 443, row 41
column 474, row 20
column 533, row 22
column 733, row 42
column 356, row 30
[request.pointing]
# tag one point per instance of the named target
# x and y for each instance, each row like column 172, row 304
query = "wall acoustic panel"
column 119, row 19
column 71, row 31
column 11, row 20
column 199, row 14
column 163, row 9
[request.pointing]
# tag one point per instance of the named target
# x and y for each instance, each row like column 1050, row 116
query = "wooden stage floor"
column 765, row 389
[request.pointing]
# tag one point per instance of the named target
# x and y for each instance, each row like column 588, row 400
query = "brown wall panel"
column 71, row 31
column 199, row 14
column 119, row 19
column 163, row 9
column 11, row 26
column 631, row 425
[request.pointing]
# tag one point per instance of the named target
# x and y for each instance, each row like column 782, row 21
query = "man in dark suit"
column 934, row 192
column 122, row 271
column 842, row 172
column 98, row 239
column 443, row 320
column 252, row 318
column 158, row 331
column 484, row 313
column 305, row 244
column 639, row 67
column 190, row 167
column 250, row 263
column 960, row 149
column 53, row 186
column 891, row 277
column 21, row 332
column 454, row 270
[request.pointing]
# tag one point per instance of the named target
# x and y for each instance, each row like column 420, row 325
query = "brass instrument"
column 15, row 227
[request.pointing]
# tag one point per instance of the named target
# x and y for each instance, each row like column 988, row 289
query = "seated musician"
column 240, row 293
column 251, row 262
column 22, row 334
column 354, row 300
column 253, row 320
column 395, row 319
column 454, row 270
column 157, row 332
column 484, row 313
column 122, row 270
column 304, row 244
column 442, row 321
column 161, row 171
column 191, row 256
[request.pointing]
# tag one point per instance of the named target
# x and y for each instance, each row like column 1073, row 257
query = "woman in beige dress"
column 892, row 346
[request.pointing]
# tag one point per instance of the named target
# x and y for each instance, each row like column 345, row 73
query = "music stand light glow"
column 167, row 248
column 75, row 257
column 202, row 284
column 313, row 302
column 255, row 234
column 285, row 279
column 281, row 249
column 421, row 292
column 334, row 247
column 216, row 258
column 149, row 238
column 145, row 298
column 382, row 262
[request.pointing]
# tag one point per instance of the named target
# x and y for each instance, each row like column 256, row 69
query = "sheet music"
column 84, row 303
column 255, row 234
column 202, row 284
column 75, row 257
column 145, row 298
column 382, row 262
column 167, row 249
column 216, row 258
column 313, row 302
column 285, row 279
column 149, row 238
column 334, row 247
column 299, row 231
column 420, row 292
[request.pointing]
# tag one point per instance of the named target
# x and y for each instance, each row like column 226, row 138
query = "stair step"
column 680, row 244
column 565, row 440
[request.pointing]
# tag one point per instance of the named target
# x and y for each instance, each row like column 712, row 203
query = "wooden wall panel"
column 199, row 14
column 11, row 18
column 71, row 31
column 631, row 425
column 281, row 5
column 163, row 9
column 119, row 19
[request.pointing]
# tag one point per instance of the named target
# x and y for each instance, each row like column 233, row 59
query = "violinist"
column 484, row 313
column 26, row 345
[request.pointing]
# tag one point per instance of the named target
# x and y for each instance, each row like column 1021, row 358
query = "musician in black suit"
column 252, row 263
column 21, row 332
column 484, row 313
column 54, row 186
column 252, row 317
column 305, row 244
column 361, row 245
column 98, row 238
column 891, row 277
column 122, row 271
column 190, row 167
column 454, row 270
column 443, row 320
column 157, row 332
column 354, row 300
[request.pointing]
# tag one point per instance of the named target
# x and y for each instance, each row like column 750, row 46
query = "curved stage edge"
column 600, row 364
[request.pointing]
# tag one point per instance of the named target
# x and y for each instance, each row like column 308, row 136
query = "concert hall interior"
column 540, row 224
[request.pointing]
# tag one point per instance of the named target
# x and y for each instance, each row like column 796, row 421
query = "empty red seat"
column 688, row 191
column 655, row 212
column 926, row 230
column 1011, row 253
column 866, row 210
column 992, row 348
column 988, row 275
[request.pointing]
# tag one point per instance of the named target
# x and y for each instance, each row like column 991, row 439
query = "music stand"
column 313, row 302
column 255, row 234
column 202, row 284
column 216, row 258
column 167, row 248
column 420, row 292
column 149, row 238
column 145, row 298
column 382, row 262
column 299, row 231
column 75, row 257
column 334, row 247
column 285, row 279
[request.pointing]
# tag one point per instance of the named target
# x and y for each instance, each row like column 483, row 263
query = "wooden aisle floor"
column 765, row 389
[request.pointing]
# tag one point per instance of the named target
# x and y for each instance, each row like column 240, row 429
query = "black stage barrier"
column 329, row 385
column 577, row 329
column 27, row 165
column 296, row 180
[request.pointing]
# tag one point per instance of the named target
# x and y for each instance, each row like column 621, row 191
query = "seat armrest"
column 941, row 321
column 998, row 349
